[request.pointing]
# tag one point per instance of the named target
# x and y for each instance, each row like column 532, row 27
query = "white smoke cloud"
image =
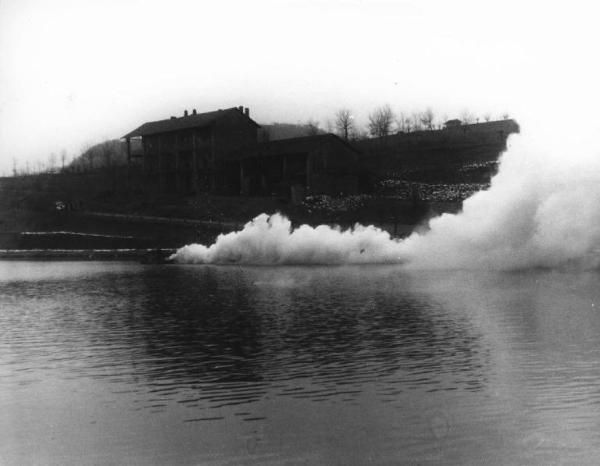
column 272, row 240
column 542, row 210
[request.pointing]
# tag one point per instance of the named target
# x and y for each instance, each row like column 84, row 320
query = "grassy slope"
column 28, row 204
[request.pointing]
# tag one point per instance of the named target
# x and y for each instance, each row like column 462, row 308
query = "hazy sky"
column 74, row 71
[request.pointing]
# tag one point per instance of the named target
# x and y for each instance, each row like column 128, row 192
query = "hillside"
column 409, row 177
column 461, row 154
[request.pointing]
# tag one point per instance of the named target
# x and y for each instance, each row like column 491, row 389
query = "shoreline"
column 147, row 255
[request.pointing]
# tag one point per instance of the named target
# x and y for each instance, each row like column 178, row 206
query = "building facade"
column 191, row 153
column 220, row 152
column 319, row 164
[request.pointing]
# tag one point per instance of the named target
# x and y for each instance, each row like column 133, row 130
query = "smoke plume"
column 272, row 240
column 542, row 210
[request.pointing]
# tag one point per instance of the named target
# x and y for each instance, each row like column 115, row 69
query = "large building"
column 192, row 153
column 220, row 152
column 226, row 152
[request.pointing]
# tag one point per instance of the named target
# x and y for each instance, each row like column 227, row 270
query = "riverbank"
column 74, row 234
column 56, row 212
column 138, row 255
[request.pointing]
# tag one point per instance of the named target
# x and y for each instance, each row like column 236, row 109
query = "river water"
column 121, row 363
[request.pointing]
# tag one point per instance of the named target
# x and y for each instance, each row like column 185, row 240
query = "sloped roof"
column 294, row 145
column 197, row 120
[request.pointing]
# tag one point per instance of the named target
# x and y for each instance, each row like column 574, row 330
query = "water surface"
column 120, row 363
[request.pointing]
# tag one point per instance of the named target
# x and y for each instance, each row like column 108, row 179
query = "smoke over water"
column 271, row 240
column 542, row 210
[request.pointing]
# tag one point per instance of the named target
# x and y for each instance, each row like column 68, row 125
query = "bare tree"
column 466, row 117
column 427, row 118
column 358, row 133
column 88, row 156
column 73, row 166
column 51, row 162
column 487, row 117
column 381, row 120
column 63, row 159
column 14, row 166
column 344, row 122
column 505, row 116
column 403, row 123
column 416, row 124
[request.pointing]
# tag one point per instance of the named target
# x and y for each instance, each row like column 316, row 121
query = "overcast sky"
column 74, row 72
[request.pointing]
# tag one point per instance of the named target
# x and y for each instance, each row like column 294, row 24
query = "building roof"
column 295, row 145
column 194, row 120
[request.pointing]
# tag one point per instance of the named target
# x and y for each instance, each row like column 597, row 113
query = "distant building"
column 192, row 153
column 227, row 152
column 452, row 123
column 223, row 152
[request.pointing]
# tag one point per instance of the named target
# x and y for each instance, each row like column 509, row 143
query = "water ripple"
column 208, row 344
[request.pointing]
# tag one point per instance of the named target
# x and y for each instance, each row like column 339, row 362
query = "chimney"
column 185, row 113
column 173, row 118
column 241, row 109
column 194, row 112
column 247, row 112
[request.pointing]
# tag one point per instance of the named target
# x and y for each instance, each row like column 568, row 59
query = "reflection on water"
column 117, row 362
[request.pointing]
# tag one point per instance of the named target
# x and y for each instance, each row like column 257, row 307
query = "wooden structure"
column 320, row 164
column 219, row 152
column 192, row 153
